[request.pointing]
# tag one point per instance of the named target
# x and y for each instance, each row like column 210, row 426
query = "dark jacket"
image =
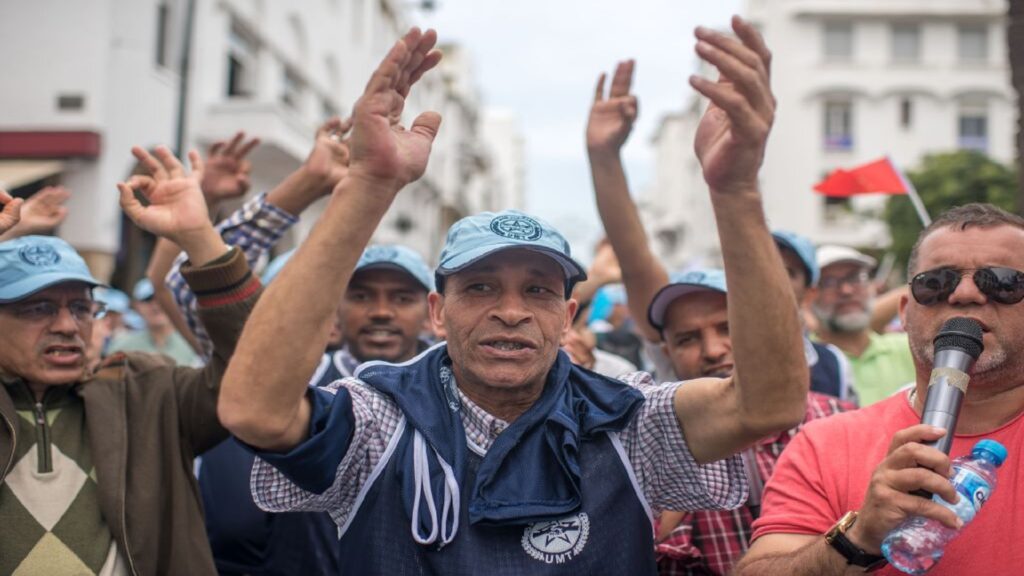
column 147, row 419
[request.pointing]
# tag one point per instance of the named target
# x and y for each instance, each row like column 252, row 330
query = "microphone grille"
column 961, row 333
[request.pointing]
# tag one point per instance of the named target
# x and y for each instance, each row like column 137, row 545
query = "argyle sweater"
column 49, row 501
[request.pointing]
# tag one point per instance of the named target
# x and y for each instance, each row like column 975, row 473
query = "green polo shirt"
column 885, row 366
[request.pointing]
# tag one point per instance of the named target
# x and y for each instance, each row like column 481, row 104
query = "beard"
column 846, row 322
column 989, row 361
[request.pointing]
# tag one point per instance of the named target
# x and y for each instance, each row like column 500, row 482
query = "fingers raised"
column 171, row 164
column 622, row 80
column 151, row 164
column 599, row 91
column 753, row 40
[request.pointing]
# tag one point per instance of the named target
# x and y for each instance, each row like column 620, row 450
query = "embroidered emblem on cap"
column 694, row 277
column 39, row 255
column 377, row 253
column 516, row 227
column 557, row 541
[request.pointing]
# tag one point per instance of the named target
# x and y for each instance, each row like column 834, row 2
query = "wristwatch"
column 836, row 538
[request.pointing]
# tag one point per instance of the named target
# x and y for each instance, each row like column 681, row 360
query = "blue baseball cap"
column 804, row 249
column 680, row 285
column 115, row 300
column 143, row 290
column 32, row 263
column 475, row 237
column 275, row 266
column 397, row 258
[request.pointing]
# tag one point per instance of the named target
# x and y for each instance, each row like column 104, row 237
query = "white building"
column 856, row 80
column 502, row 133
column 107, row 77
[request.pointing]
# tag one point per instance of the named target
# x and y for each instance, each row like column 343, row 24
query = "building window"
column 241, row 63
column 838, row 125
column 906, row 43
column 163, row 22
column 906, row 113
column 972, row 43
column 292, row 88
column 973, row 127
column 838, row 41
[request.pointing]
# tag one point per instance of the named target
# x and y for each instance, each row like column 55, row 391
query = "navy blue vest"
column 611, row 533
column 826, row 375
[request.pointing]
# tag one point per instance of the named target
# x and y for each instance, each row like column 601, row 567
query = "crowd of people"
column 353, row 410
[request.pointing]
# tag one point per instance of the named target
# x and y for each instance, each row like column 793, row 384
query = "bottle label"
column 972, row 486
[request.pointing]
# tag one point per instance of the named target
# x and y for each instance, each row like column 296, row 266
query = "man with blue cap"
column 831, row 373
column 494, row 447
column 98, row 475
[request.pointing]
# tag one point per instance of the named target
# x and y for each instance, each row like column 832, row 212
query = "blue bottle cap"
column 997, row 450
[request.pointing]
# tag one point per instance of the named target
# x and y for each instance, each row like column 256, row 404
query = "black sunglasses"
column 1002, row 285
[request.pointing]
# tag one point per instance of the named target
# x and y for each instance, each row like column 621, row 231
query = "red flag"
column 879, row 176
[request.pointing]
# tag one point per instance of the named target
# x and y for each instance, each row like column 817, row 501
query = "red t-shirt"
column 825, row 471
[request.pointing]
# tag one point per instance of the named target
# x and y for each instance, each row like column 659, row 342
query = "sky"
column 540, row 59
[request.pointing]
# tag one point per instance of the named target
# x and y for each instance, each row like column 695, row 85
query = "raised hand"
column 330, row 154
column 44, row 210
column 227, row 171
column 611, row 119
column 176, row 208
column 382, row 151
column 733, row 132
column 11, row 213
column 605, row 268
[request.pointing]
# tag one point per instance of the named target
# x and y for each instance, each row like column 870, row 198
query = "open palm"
column 611, row 119
column 176, row 206
column 381, row 148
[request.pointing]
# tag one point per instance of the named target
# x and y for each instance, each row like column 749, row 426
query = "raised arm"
column 225, row 176
column 263, row 397
column 611, row 120
column 767, row 392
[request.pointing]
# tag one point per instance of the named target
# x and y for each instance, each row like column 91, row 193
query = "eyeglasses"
column 1002, row 285
column 856, row 280
column 83, row 311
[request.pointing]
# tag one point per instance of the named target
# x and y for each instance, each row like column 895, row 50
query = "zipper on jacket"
column 43, row 440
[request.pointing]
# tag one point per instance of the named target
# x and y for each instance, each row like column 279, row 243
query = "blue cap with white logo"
column 804, row 249
column 143, row 290
column 116, row 301
column 32, row 263
column 476, row 237
column 679, row 285
column 398, row 258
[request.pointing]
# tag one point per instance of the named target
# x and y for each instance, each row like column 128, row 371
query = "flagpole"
column 922, row 213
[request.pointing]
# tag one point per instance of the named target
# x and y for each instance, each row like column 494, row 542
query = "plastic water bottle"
column 917, row 544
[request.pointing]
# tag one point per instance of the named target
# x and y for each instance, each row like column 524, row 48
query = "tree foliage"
column 944, row 181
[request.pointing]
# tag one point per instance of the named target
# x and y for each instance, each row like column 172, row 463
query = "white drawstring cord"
column 421, row 480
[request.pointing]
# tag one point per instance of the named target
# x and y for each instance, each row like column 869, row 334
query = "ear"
column 571, row 305
column 435, row 302
column 904, row 302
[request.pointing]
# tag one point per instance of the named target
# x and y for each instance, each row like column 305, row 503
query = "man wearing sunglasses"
column 843, row 305
column 851, row 476
column 96, row 468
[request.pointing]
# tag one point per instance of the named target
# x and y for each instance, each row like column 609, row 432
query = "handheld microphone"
column 957, row 346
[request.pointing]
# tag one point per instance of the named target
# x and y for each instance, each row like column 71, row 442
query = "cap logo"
column 39, row 255
column 516, row 227
column 694, row 277
column 379, row 253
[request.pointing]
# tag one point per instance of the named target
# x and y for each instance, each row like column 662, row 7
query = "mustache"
column 61, row 341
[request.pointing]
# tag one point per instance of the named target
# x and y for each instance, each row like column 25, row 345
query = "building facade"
column 855, row 80
column 109, row 76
